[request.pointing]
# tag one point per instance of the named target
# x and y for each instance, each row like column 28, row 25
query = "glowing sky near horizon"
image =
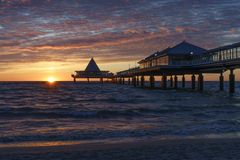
column 43, row 38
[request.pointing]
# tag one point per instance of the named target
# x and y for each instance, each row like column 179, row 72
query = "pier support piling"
column 200, row 82
column 231, row 82
column 123, row 81
column 137, row 80
column 129, row 81
column 101, row 80
column 221, row 80
column 183, row 81
column 134, row 81
column 171, row 82
column 142, row 81
column 193, row 82
column 175, row 82
column 88, row 80
column 164, row 82
column 152, row 81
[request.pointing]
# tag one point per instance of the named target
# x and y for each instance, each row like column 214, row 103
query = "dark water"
column 37, row 112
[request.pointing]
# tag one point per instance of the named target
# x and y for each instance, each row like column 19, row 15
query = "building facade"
column 181, row 54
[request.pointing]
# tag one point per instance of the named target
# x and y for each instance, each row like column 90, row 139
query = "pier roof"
column 185, row 48
column 92, row 66
column 159, row 53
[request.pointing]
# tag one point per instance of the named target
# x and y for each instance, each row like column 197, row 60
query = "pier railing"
column 126, row 72
column 223, row 54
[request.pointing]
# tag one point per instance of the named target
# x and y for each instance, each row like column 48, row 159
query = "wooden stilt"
column 142, row 81
column 175, row 82
column 231, row 82
column 221, row 82
column 171, row 81
column 183, row 81
column 134, row 81
column 164, row 82
column 200, row 82
column 193, row 82
column 152, row 81
column 137, row 81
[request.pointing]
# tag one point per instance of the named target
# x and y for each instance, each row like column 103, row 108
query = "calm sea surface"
column 39, row 112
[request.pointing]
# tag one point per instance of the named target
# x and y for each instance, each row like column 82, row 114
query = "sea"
column 41, row 113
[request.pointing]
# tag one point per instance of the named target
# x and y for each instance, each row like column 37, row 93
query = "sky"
column 42, row 38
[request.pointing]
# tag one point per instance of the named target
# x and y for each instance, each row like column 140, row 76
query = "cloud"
column 182, row 29
column 124, row 30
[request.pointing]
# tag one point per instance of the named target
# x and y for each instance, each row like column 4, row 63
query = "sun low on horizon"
column 51, row 79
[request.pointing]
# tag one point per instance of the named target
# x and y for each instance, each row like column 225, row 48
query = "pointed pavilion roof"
column 185, row 48
column 92, row 66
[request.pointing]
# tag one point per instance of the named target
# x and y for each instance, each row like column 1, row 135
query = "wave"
column 64, row 113
column 93, row 113
column 77, row 112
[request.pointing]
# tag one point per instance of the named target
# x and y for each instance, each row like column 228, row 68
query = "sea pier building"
column 185, row 59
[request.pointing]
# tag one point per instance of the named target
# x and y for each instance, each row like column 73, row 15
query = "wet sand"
column 196, row 149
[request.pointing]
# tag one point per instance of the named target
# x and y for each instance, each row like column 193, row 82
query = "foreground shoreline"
column 148, row 149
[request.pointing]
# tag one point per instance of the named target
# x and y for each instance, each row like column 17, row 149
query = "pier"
column 92, row 71
column 182, row 60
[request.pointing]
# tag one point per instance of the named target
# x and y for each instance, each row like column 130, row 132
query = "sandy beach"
column 196, row 149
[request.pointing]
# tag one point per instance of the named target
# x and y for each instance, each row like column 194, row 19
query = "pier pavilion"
column 181, row 54
column 92, row 71
column 185, row 59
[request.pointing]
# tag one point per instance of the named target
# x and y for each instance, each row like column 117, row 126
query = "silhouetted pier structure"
column 181, row 60
column 92, row 71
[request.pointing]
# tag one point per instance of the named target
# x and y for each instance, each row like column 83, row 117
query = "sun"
column 51, row 79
